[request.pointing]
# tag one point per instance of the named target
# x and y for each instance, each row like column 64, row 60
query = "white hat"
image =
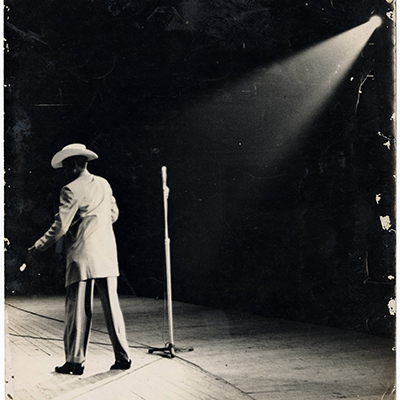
column 75, row 149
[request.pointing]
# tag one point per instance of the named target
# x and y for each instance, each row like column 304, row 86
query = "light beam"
column 376, row 21
column 302, row 85
column 280, row 102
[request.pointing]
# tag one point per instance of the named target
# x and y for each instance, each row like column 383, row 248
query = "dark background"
column 291, row 234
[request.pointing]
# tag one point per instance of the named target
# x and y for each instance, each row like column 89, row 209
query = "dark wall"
column 282, row 228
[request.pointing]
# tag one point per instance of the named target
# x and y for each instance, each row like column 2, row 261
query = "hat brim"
column 59, row 157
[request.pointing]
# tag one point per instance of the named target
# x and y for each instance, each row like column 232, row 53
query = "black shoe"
column 121, row 364
column 71, row 369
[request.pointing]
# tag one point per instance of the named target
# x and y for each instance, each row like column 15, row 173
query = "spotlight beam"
column 309, row 80
column 376, row 21
column 290, row 94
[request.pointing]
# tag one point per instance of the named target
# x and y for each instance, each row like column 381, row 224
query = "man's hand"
column 30, row 258
column 32, row 249
column 31, row 253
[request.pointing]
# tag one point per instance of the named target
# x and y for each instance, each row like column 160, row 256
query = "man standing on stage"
column 86, row 213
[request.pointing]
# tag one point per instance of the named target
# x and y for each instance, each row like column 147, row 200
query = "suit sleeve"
column 114, row 209
column 62, row 220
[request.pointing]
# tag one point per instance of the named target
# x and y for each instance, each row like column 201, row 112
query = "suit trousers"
column 78, row 318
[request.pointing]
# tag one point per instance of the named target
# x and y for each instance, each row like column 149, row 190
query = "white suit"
column 86, row 214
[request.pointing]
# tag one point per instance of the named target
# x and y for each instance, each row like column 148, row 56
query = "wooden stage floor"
column 235, row 356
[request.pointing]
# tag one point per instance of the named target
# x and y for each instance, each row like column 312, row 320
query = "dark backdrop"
column 149, row 83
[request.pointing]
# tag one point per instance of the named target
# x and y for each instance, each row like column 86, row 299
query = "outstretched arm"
column 62, row 221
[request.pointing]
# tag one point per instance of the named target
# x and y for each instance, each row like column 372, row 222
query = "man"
column 86, row 213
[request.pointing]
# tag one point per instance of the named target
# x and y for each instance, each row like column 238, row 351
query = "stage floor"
column 235, row 356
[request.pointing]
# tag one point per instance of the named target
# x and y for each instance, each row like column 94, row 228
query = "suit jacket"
column 86, row 214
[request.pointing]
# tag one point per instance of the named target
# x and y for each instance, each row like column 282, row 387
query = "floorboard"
column 235, row 356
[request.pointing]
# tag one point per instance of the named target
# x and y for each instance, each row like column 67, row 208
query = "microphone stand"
column 170, row 346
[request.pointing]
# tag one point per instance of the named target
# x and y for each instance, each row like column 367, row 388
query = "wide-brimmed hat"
column 75, row 149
